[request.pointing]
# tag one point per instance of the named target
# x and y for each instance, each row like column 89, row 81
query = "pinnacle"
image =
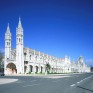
column 8, row 29
column 19, row 23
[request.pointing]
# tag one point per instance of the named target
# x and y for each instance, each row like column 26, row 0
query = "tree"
column 47, row 67
column 1, row 61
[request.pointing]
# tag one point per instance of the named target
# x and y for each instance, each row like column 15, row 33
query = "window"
column 26, row 62
column 30, row 57
column 25, row 55
column 36, row 58
column 19, row 39
column 7, row 43
column 40, row 58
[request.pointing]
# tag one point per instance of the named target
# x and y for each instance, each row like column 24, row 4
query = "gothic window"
column 25, row 55
column 19, row 39
column 7, row 58
column 36, row 58
column 30, row 57
column 26, row 62
column 7, row 43
column 40, row 58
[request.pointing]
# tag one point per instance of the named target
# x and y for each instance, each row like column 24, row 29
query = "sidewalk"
column 6, row 80
column 63, row 74
column 52, row 76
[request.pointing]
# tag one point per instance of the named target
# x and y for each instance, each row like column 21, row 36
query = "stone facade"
column 23, row 60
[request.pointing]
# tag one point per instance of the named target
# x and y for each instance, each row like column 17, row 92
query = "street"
column 71, row 83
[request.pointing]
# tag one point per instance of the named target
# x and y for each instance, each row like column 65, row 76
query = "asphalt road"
column 77, row 83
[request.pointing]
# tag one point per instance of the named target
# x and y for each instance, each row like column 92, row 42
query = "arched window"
column 36, row 58
column 30, row 57
column 19, row 39
column 24, row 55
column 40, row 58
column 7, row 43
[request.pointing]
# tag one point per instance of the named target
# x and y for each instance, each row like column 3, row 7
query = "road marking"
column 81, row 80
column 78, row 82
column 30, row 85
column 72, row 85
column 33, row 81
column 86, row 78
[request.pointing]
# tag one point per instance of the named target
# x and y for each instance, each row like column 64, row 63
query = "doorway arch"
column 31, row 68
column 41, row 69
column 36, row 69
column 11, row 68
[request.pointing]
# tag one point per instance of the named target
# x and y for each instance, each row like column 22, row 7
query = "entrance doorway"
column 31, row 68
column 11, row 68
column 36, row 69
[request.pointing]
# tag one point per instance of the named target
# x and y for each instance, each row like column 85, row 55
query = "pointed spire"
column 19, row 20
column 19, row 23
column 8, row 29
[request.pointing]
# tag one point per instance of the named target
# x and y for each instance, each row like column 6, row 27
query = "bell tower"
column 8, row 43
column 7, row 47
column 19, row 48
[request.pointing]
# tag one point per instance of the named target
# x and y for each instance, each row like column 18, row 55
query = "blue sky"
column 55, row 27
